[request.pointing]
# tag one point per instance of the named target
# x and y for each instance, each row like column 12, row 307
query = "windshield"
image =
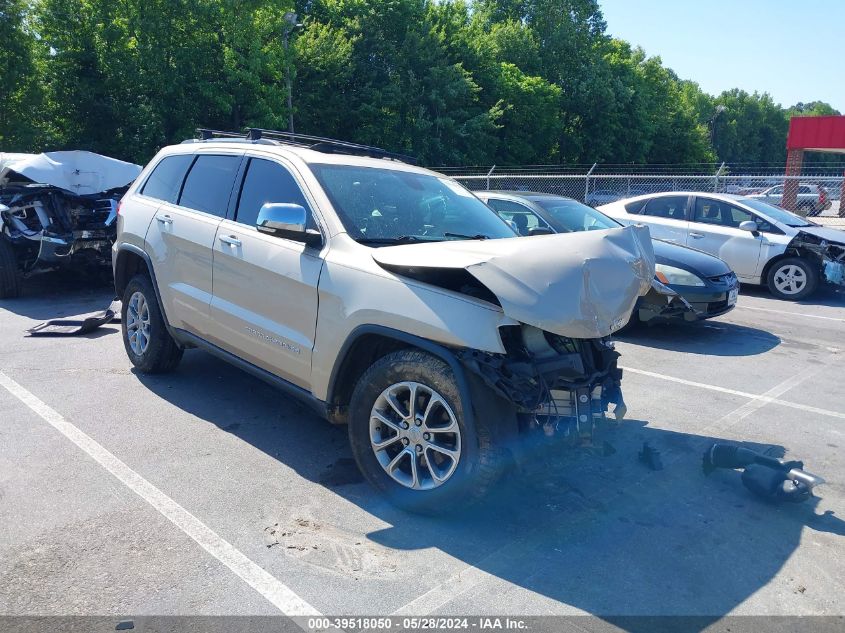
column 775, row 213
column 570, row 215
column 388, row 206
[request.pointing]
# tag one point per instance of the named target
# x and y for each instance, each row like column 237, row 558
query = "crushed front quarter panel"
column 578, row 285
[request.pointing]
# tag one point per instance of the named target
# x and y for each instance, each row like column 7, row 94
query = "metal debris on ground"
column 768, row 477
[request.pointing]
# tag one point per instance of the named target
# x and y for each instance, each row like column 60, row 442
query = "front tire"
column 792, row 279
column 145, row 337
column 411, row 439
column 10, row 276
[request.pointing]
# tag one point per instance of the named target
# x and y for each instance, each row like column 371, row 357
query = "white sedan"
column 763, row 244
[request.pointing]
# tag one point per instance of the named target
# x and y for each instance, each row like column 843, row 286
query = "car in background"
column 763, row 244
column 606, row 196
column 706, row 284
column 812, row 198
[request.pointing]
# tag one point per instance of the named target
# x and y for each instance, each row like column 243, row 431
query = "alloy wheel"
column 415, row 435
column 138, row 323
column 790, row 280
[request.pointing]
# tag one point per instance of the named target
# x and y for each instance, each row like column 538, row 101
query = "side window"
column 804, row 189
column 776, row 191
column 521, row 216
column 636, row 206
column 266, row 181
column 167, row 177
column 209, row 184
column 709, row 211
column 671, row 207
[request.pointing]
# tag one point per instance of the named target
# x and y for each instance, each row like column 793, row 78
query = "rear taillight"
column 822, row 196
column 119, row 204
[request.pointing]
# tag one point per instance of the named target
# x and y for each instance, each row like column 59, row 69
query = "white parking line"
column 765, row 399
column 789, row 313
column 279, row 594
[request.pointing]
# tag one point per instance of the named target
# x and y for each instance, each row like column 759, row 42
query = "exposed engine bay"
column 60, row 210
column 559, row 385
column 830, row 254
column 52, row 227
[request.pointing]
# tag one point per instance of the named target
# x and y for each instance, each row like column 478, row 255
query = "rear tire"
column 792, row 279
column 373, row 420
column 145, row 337
column 10, row 276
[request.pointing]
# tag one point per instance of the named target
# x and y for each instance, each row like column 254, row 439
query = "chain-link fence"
column 816, row 194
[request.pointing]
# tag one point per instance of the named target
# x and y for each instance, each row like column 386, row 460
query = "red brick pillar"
column 842, row 197
column 794, row 159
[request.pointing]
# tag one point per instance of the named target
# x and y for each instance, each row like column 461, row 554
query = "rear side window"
column 265, row 182
column 804, row 190
column 209, row 184
column 636, row 206
column 167, row 177
column 670, row 207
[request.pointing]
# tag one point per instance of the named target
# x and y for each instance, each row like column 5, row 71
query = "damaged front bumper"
column 49, row 227
column 689, row 303
column 559, row 385
column 822, row 245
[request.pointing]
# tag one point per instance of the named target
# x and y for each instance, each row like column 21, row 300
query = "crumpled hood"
column 824, row 232
column 79, row 172
column 580, row 285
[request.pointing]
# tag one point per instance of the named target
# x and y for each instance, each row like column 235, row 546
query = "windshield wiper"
column 402, row 239
column 477, row 236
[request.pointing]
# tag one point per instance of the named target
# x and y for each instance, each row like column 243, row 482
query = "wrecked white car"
column 763, row 244
column 374, row 291
column 58, row 209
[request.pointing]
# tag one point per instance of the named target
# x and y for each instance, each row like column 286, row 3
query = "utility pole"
column 290, row 25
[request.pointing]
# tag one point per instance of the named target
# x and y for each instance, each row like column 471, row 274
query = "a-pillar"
column 794, row 159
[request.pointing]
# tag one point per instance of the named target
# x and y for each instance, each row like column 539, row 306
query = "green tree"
column 20, row 124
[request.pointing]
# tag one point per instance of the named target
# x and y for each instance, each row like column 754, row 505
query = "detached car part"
column 58, row 210
column 768, row 477
column 84, row 324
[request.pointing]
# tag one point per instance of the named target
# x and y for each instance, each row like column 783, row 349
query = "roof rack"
column 316, row 143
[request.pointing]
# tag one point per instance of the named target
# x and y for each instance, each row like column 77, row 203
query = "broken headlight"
column 677, row 276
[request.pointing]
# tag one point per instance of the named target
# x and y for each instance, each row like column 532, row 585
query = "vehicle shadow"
column 710, row 338
column 826, row 295
column 59, row 294
column 596, row 531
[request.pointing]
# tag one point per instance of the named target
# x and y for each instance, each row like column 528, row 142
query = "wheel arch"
column 128, row 262
column 790, row 253
column 368, row 343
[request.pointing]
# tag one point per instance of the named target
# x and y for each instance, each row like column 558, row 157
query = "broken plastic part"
column 650, row 457
column 78, row 326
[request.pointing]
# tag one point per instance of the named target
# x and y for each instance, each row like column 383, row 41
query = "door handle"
column 231, row 240
column 166, row 219
column 696, row 236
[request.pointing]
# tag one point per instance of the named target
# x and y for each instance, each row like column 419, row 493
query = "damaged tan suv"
column 376, row 291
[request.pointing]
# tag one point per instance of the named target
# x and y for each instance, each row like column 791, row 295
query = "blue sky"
column 792, row 49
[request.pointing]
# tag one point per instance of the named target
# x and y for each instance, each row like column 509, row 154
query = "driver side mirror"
column 287, row 220
column 540, row 230
column 750, row 226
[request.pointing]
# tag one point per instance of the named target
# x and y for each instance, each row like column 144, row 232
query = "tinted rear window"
column 635, row 207
column 669, row 207
column 167, row 177
column 209, row 184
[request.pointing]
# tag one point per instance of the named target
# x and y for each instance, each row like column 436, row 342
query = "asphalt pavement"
column 205, row 491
